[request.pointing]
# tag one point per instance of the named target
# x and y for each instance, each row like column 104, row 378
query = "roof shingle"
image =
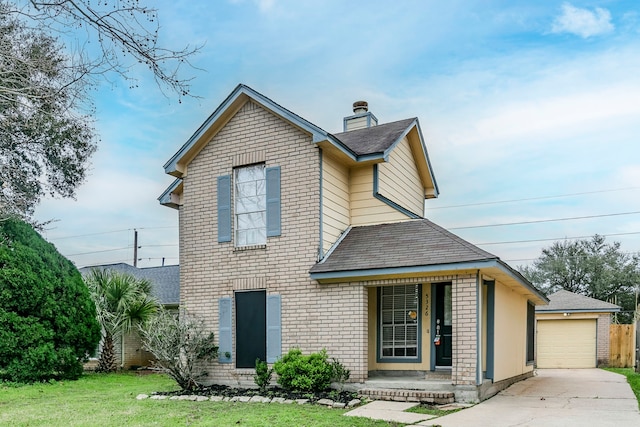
column 374, row 140
column 568, row 301
column 404, row 244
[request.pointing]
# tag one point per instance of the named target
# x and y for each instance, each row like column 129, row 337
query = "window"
column 256, row 207
column 250, row 205
column 399, row 317
column 531, row 329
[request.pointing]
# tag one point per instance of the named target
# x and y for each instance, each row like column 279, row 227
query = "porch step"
column 398, row 395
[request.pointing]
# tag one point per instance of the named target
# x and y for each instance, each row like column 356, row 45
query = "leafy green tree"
column 122, row 303
column 588, row 267
column 45, row 144
column 47, row 319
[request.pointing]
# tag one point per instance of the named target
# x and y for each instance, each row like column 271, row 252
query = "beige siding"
column 566, row 343
column 399, row 180
column 366, row 209
column 335, row 200
column 357, row 123
column 510, row 334
column 210, row 270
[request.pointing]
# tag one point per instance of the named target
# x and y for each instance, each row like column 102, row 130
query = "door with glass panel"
column 442, row 340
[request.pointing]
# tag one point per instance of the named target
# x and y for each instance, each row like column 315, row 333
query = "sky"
column 530, row 111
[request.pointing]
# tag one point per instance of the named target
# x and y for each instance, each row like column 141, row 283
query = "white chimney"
column 362, row 118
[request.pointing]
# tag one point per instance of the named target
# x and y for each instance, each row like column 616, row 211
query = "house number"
column 426, row 305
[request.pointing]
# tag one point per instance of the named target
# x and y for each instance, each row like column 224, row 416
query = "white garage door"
column 566, row 343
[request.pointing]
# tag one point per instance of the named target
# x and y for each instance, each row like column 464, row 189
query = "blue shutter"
column 224, row 208
column 274, row 328
column 273, row 201
column 225, row 337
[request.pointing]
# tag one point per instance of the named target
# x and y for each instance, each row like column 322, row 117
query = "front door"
column 251, row 327
column 443, row 330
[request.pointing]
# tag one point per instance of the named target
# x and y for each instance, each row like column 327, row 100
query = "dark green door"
column 251, row 328
column 443, row 329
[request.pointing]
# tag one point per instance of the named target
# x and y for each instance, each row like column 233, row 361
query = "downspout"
column 478, row 330
column 320, row 249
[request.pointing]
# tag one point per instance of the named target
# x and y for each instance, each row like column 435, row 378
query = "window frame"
column 237, row 211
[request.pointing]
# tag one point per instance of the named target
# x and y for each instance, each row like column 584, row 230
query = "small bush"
column 263, row 375
column 311, row 373
column 181, row 346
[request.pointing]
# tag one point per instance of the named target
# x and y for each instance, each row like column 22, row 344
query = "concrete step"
column 400, row 395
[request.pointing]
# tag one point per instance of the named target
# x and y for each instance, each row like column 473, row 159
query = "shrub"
column 180, row 345
column 47, row 319
column 311, row 373
column 263, row 375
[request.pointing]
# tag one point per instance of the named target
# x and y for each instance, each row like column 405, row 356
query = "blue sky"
column 518, row 101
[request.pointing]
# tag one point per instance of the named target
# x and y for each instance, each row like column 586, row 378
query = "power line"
column 533, row 198
column 97, row 252
column 112, row 231
column 557, row 238
column 544, row 220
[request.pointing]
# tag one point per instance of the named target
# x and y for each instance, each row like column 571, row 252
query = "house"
column 573, row 331
column 291, row 236
column 165, row 282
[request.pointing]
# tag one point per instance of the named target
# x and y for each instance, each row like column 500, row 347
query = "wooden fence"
column 622, row 352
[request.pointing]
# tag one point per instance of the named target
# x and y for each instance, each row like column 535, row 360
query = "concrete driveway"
column 555, row 397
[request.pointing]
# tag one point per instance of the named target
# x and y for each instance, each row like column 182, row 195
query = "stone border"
column 250, row 399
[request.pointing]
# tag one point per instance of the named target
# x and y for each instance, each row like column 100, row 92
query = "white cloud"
column 582, row 22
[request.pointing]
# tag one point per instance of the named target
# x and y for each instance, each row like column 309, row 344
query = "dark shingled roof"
column 375, row 139
column 569, row 301
column 404, row 244
column 165, row 280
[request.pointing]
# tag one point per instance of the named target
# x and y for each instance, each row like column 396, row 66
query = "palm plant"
column 122, row 302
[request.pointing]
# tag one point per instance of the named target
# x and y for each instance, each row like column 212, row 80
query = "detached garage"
column 573, row 331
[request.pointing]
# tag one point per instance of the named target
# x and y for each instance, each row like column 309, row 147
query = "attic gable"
column 177, row 165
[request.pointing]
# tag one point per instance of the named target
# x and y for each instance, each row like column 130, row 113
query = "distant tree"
column 588, row 267
column 123, row 302
column 47, row 319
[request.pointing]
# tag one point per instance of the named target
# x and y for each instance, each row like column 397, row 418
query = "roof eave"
column 166, row 198
column 543, row 310
column 238, row 97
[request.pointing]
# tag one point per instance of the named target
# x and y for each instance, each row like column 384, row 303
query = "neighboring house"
column 165, row 283
column 291, row 236
column 573, row 331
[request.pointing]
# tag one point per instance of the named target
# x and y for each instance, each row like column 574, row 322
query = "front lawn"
column 110, row 400
column 633, row 378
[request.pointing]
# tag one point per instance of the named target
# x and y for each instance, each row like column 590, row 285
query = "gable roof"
column 409, row 247
column 565, row 301
column 165, row 280
column 372, row 144
column 238, row 97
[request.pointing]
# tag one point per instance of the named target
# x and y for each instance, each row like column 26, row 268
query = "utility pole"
column 135, row 247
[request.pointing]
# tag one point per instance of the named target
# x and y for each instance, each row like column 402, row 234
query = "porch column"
column 464, row 302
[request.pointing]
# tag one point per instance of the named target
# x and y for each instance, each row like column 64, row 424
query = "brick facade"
column 211, row 270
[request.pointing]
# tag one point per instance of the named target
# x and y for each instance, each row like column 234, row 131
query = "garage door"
column 566, row 343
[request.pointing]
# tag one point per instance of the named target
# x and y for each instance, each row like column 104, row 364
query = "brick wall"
column 465, row 339
column 603, row 323
column 313, row 316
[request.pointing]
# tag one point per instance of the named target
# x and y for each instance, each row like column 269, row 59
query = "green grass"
column 110, row 400
column 633, row 378
column 431, row 410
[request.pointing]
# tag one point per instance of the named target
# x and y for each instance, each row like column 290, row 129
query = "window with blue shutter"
column 224, row 208
column 225, row 337
column 273, row 201
column 274, row 328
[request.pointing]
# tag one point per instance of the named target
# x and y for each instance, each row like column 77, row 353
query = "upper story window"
column 250, row 205
column 253, row 213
